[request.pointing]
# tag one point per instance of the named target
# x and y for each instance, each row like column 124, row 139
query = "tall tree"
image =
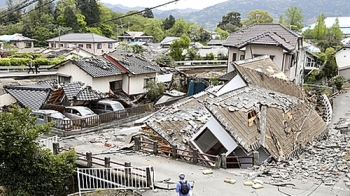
column 230, row 22
column 89, row 8
column 222, row 33
column 154, row 27
column 168, row 22
column 294, row 18
column 178, row 46
column 70, row 19
column 257, row 16
column 179, row 28
column 27, row 169
column 335, row 32
column 148, row 13
column 320, row 29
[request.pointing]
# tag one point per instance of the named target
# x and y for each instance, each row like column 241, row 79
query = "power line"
column 26, row 3
column 134, row 13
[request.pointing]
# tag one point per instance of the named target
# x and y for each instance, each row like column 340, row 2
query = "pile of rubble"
column 326, row 161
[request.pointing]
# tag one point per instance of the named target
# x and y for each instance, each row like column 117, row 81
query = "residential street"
column 212, row 184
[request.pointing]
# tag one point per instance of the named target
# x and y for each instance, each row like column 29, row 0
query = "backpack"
column 184, row 188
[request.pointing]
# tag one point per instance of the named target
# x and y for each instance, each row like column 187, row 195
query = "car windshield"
column 85, row 111
column 117, row 106
column 57, row 115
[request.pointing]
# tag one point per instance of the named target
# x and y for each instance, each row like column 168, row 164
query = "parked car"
column 104, row 106
column 61, row 121
column 84, row 114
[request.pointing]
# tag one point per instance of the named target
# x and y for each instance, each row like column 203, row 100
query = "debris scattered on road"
column 230, row 181
column 207, row 172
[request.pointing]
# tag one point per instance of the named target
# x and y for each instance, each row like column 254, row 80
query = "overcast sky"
column 181, row 4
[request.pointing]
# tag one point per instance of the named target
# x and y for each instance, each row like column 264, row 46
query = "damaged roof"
column 136, row 64
column 268, row 112
column 80, row 92
column 267, row 34
column 93, row 66
column 258, row 78
column 32, row 96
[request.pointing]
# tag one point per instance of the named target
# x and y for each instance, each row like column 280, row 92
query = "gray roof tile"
column 80, row 92
column 271, row 34
column 82, row 37
column 138, row 65
column 32, row 96
column 97, row 67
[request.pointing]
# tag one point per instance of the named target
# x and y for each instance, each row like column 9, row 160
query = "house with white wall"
column 342, row 57
column 280, row 43
column 91, row 42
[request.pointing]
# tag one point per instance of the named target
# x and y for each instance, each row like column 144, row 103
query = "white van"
column 104, row 106
column 61, row 121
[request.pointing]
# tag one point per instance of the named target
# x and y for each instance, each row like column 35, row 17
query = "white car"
column 81, row 115
column 61, row 121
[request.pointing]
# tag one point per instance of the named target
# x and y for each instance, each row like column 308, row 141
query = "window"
column 53, row 45
column 110, row 45
column 63, row 79
column 234, row 57
column 241, row 57
column 99, row 46
column 146, row 80
column 115, row 85
column 251, row 117
column 80, row 45
column 88, row 46
column 28, row 45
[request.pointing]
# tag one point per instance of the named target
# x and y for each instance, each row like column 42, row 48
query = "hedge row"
column 24, row 61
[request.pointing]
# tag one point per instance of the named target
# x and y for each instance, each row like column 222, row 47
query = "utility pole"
column 59, row 36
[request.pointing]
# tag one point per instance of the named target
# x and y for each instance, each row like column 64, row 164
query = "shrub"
column 5, row 62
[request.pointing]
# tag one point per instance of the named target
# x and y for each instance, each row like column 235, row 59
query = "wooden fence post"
column 107, row 162
column 137, row 143
column 217, row 162
column 155, row 147
column 148, row 176
column 256, row 158
column 55, row 147
column 223, row 160
column 174, row 151
column 127, row 173
column 195, row 156
column 89, row 159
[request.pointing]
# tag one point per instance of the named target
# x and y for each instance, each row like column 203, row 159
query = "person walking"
column 30, row 65
column 37, row 68
column 183, row 187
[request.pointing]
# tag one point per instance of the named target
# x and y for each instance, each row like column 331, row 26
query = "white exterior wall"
column 76, row 74
column 342, row 58
column 345, row 72
column 92, row 50
column 102, row 83
column 236, row 83
column 7, row 99
column 136, row 83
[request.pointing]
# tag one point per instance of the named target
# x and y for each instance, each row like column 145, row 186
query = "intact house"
column 17, row 40
column 167, row 41
column 282, row 44
column 254, row 111
column 342, row 57
column 93, row 43
column 135, row 36
column 109, row 74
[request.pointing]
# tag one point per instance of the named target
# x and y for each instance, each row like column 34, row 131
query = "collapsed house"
column 257, row 109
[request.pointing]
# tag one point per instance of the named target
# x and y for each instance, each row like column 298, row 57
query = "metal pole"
column 59, row 36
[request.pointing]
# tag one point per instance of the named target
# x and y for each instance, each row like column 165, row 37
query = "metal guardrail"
column 22, row 68
column 125, row 178
column 201, row 62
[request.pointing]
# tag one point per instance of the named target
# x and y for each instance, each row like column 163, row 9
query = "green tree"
column 90, row 10
column 335, row 32
column 230, row 22
column 27, row 169
column 148, row 13
column 222, row 33
column 168, row 22
column 154, row 89
column 320, row 29
column 70, row 19
column 294, row 18
column 338, row 82
column 257, row 16
column 178, row 46
column 179, row 28
column 137, row 49
column 165, row 60
column 329, row 66
column 210, row 56
column 154, row 27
